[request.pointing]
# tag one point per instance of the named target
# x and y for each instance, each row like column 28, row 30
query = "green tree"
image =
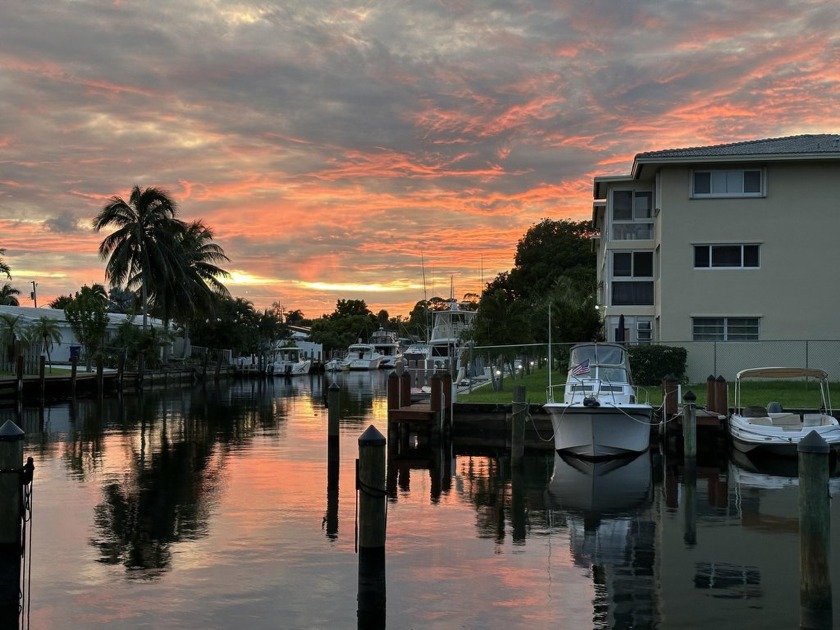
column 89, row 321
column 548, row 250
column 8, row 295
column 47, row 332
column 143, row 246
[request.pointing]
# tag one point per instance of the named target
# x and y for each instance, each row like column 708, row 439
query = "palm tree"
column 47, row 332
column 12, row 333
column 140, row 249
column 8, row 295
column 4, row 268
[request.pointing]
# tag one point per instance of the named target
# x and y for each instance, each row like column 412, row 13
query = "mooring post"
column 120, row 371
column 393, row 392
column 814, row 533
column 517, row 442
column 19, row 373
column 74, row 368
column 371, row 488
column 100, row 376
column 11, row 460
column 405, row 385
column 690, row 467
column 711, row 394
column 333, row 457
column 141, row 367
column 722, row 396
column 690, row 428
column 42, row 376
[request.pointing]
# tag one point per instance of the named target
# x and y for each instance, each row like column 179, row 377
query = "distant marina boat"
column 289, row 361
column 387, row 344
column 363, row 356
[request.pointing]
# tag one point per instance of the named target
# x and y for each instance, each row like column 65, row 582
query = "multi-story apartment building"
column 735, row 242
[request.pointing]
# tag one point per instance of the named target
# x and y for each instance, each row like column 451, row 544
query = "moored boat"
column 600, row 415
column 289, row 361
column 362, row 356
column 773, row 429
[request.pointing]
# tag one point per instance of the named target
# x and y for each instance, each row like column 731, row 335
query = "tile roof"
column 826, row 143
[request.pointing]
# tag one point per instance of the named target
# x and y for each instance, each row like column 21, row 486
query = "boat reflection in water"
column 608, row 509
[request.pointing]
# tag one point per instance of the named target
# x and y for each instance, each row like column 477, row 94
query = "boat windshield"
column 598, row 355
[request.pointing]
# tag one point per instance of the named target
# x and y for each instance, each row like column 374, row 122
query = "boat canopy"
column 782, row 373
column 597, row 354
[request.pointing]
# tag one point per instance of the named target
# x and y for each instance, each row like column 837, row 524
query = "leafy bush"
column 651, row 364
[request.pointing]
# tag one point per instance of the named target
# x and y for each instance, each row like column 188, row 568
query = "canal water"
column 210, row 508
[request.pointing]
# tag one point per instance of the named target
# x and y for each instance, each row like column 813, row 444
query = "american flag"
column 581, row 368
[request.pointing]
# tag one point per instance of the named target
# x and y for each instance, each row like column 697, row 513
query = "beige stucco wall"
column 794, row 291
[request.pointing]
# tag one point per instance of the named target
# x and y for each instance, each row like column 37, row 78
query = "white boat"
column 387, row 343
column 600, row 415
column 289, row 361
column 363, row 356
column 446, row 341
column 336, row 364
column 774, row 429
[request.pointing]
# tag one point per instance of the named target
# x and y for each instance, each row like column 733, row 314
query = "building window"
column 725, row 328
column 725, row 256
column 632, row 215
column 628, row 267
column 644, row 332
column 728, row 183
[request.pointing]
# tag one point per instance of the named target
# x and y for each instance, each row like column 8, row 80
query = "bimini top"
column 782, row 372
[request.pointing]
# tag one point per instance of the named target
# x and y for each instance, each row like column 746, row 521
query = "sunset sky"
column 343, row 149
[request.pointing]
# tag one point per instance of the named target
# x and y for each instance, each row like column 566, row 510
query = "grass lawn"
column 790, row 393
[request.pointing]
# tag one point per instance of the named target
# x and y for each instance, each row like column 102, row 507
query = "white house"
column 60, row 353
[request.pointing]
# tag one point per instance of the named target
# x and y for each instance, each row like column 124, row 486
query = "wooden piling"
column 689, row 426
column 405, row 389
column 11, row 460
column 722, row 395
column 100, row 376
column 393, row 391
column 711, row 394
column 74, row 368
column 120, row 371
column 814, row 533
column 42, row 377
column 371, row 489
column 19, row 373
column 517, row 442
column 333, row 458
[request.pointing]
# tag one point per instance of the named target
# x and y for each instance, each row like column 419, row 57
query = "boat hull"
column 779, row 441
column 602, row 431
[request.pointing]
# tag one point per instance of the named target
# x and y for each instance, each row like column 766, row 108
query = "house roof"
column 789, row 146
column 32, row 313
column 805, row 147
column 824, row 146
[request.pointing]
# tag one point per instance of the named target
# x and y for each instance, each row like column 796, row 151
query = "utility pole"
column 34, row 294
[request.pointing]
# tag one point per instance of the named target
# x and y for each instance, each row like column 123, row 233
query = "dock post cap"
column 333, row 386
column 689, row 397
column 813, row 443
column 371, row 437
column 10, row 432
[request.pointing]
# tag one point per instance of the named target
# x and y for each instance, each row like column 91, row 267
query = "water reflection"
column 223, row 502
column 608, row 510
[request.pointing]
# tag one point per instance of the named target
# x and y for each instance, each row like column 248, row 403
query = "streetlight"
column 34, row 294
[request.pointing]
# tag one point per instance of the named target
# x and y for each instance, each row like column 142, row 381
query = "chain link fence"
column 705, row 358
